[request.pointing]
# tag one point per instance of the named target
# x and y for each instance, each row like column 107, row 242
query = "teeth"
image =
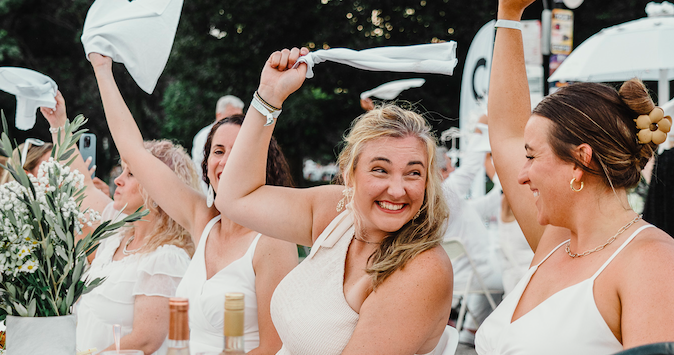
column 536, row 193
column 391, row 206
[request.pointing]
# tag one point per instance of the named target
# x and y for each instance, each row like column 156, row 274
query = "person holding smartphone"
column 142, row 264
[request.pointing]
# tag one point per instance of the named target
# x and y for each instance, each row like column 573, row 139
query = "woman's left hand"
column 279, row 79
column 57, row 116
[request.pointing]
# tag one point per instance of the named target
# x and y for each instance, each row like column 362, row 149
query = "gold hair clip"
column 653, row 127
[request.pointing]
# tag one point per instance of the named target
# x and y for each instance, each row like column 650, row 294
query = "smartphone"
column 87, row 147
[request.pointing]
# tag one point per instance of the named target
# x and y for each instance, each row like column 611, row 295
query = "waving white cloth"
column 392, row 89
column 435, row 58
column 32, row 90
column 137, row 33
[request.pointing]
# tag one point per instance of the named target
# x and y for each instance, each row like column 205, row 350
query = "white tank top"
column 568, row 322
column 308, row 307
column 207, row 297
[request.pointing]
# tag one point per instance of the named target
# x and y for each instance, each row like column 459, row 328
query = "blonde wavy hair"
column 33, row 156
column 166, row 231
column 421, row 233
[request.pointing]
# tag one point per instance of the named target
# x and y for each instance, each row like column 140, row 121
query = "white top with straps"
column 207, row 297
column 308, row 307
column 568, row 322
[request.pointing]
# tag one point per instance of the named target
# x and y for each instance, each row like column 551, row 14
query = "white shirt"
column 151, row 274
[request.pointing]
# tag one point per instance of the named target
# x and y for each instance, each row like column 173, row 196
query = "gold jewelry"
column 418, row 214
column 582, row 184
column 653, row 127
column 611, row 240
column 365, row 241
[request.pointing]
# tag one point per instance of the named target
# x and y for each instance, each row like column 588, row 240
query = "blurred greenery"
column 220, row 48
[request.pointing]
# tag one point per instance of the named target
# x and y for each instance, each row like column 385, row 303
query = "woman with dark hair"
column 377, row 280
column 228, row 257
column 602, row 279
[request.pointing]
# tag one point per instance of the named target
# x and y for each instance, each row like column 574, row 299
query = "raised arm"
column 95, row 198
column 182, row 203
column 296, row 215
column 509, row 110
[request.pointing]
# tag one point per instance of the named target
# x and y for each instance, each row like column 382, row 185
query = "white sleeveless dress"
column 308, row 307
column 207, row 297
column 566, row 323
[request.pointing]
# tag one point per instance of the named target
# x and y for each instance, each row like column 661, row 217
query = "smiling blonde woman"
column 377, row 280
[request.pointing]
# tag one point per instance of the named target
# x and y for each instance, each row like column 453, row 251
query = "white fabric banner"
column 434, row 58
column 475, row 81
column 32, row 90
column 137, row 33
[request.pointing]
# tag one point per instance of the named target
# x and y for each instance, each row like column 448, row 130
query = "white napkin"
column 32, row 90
column 435, row 58
column 392, row 89
column 137, row 33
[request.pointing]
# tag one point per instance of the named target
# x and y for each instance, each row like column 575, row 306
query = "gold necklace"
column 611, row 240
column 365, row 241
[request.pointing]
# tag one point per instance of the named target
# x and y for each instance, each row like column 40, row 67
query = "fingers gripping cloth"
column 32, row 90
column 138, row 34
column 434, row 58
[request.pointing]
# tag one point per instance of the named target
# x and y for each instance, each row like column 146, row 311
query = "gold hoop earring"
column 582, row 184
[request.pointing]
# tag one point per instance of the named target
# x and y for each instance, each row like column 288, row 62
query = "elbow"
column 150, row 346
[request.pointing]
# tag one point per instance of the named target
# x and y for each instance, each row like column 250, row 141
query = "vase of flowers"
column 43, row 255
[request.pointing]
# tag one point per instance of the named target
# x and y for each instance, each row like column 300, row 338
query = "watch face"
column 572, row 4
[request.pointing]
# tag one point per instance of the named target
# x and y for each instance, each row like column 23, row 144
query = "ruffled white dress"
column 157, row 273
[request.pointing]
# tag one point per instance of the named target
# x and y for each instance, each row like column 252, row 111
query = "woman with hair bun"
column 602, row 279
column 377, row 280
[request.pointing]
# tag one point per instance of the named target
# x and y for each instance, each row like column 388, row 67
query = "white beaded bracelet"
column 55, row 129
column 515, row 25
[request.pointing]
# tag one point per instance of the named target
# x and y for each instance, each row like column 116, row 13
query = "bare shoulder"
column 645, row 286
column 652, row 250
column 324, row 200
column 430, row 270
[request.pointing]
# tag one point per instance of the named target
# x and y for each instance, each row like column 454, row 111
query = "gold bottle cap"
column 234, row 301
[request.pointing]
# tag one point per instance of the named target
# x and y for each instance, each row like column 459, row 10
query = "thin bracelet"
column 269, row 113
column 515, row 25
column 55, row 129
column 270, row 106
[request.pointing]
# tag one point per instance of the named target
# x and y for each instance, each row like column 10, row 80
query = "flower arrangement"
column 42, row 254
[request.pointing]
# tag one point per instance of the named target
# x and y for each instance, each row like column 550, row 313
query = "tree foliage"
column 220, row 48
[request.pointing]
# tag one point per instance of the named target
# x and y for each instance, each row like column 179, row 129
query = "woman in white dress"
column 229, row 257
column 142, row 263
column 377, row 280
column 601, row 278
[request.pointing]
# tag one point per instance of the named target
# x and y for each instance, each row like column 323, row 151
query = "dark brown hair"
column 278, row 171
column 603, row 118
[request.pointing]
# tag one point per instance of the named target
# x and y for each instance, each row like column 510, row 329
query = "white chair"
column 456, row 251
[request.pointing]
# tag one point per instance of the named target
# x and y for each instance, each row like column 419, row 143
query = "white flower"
column 23, row 252
column 29, row 266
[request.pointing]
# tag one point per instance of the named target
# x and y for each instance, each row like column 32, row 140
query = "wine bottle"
column 179, row 329
column 233, row 324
